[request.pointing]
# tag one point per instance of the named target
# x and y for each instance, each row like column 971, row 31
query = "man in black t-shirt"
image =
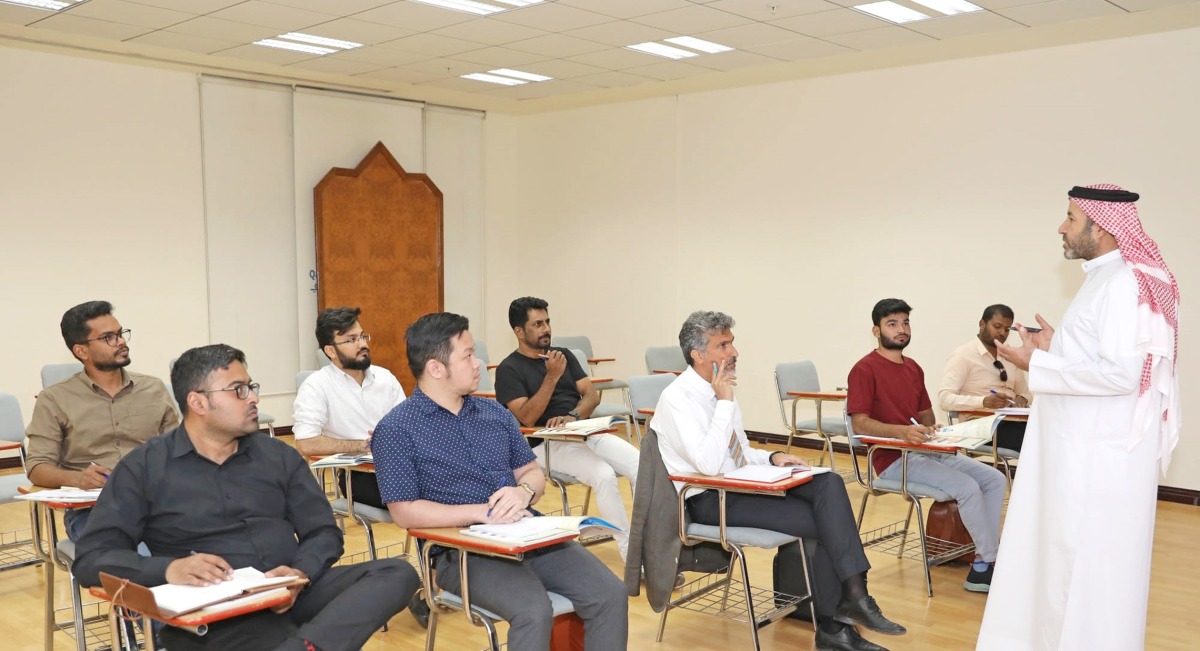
column 547, row 387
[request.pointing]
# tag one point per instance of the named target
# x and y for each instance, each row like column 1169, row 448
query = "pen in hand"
column 104, row 474
column 1006, row 398
column 914, row 422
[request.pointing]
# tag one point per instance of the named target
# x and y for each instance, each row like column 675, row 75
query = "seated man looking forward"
column 337, row 407
column 546, row 387
column 975, row 378
column 445, row 458
column 83, row 425
column 887, row 398
column 699, row 424
column 214, row 495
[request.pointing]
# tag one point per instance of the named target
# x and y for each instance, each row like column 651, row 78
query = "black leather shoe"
column 419, row 609
column 865, row 612
column 846, row 639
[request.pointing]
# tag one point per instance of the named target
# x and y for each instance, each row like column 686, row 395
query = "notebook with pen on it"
column 967, row 434
column 539, row 528
column 170, row 600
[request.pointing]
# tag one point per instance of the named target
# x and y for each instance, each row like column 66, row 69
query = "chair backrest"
column 301, row 377
column 174, row 402
column 485, row 380
column 665, row 358
column 794, row 376
column 583, row 358
column 322, row 359
column 644, row 390
column 481, row 352
column 55, row 373
column 12, row 426
column 581, row 343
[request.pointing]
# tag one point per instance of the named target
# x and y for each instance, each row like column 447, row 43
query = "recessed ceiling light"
column 658, row 49
column 494, row 79
column 469, row 6
column 520, row 3
column 892, row 12
column 950, row 7
column 48, row 5
column 527, row 76
column 320, row 40
column 699, row 44
column 295, row 47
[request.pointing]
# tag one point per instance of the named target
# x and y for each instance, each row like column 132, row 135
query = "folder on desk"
column 169, row 601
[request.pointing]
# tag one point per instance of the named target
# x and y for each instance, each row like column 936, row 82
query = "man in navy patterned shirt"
column 446, row 459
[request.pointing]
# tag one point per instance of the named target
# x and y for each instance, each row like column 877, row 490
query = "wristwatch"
column 529, row 488
column 573, row 414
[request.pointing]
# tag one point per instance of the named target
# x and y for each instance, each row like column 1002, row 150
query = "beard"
column 113, row 364
column 892, row 344
column 1082, row 247
column 354, row 363
column 541, row 343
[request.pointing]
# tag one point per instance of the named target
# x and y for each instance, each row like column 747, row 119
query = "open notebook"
column 537, row 529
column 769, row 474
column 584, row 427
column 173, row 600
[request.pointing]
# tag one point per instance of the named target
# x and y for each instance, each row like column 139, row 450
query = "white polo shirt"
column 332, row 403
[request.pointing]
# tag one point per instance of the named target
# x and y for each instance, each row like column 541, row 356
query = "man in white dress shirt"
column 1080, row 523
column 337, row 407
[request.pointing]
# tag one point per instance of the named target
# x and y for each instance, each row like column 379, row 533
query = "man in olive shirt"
column 83, row 425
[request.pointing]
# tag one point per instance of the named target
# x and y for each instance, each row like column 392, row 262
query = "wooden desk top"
column 27, row 489
column 10, row 445
column 647, row 412
column 454, row 537
column 719, row 481
column 664, row 371
column 217, row 612
column 901, row 443
column 817, row 395
column 597, row 360
column 533, row 432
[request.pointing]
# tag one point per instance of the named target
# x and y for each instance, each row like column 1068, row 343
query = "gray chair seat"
column 1005, row 453
column 743, row 536
column 611, row 384
column 265, row 419
column 916, row 488
column 558, row 603
column 564, row 478
column 603, row 410
column 66, row 549
column 831, row 426
column 365, row 510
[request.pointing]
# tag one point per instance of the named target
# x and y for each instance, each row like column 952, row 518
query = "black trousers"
column 365, row 487
column 1009, row 434
column 819, row 510
column 339, row 611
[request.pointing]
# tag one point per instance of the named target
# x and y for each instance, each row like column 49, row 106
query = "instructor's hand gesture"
column 1030, row 341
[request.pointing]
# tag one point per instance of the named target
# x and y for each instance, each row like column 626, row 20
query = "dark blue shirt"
column 424, row 452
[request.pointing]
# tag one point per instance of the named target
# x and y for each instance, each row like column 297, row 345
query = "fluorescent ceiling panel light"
column 494, row 79
column 658, row 49
column 320, row 40
column 469, row 6
column 520, row 3
column 892, row 12
column 949, row 7
column 527, row 76
column 49, row 5
column 699, row 44
column 295, row 47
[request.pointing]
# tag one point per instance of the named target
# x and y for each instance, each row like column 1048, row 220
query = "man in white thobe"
column 1074, row 561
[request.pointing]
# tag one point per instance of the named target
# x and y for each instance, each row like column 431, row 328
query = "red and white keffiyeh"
column 1158, row 317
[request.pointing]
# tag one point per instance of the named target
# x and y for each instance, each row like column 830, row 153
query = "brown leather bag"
column 945, row 524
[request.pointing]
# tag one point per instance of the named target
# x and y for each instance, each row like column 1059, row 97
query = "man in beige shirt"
column 83, row 425
column 976, row 379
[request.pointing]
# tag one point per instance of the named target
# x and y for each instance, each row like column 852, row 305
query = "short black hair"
column 193, row 367
column 999, row 308
column 430, row 337
column 74, row 325
column 334, row 320
column 518, row 310
column 888, row 306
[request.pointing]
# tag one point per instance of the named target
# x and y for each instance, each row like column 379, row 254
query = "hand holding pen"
column 94, row 476
column 918, row 433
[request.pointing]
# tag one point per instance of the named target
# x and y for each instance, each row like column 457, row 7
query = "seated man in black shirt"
column 213, row 495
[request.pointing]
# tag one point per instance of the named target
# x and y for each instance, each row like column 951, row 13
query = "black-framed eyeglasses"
column 112, row 338
column 364, row 337
column 1003, row 372
column 242, row 391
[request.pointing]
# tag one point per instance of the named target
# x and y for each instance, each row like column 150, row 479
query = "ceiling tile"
column 499, row 57
column 21, row 15
column 557, row 46
column 265, row 54
column 744, row 37
column 401, row 75
column 223, row 30
column 765, row 10
column 561, row 69
column 414, row 16
column 873, row 39
column 91, row 27
column 284, row 19
column 380, row 56
column 804, row 47
column 616, row 59
column 185, row 42
column 668, row 70
column 540, row 89
column 460, row 84
column 692, row 20
column 446, row 67
column 359, row 31
column 621, row 33
column 433, row 45
column 119, row 11
column 614, row 79
column 627, row 8
column 552, row 17
column 1142, row 5
column 1060, row 11
column 732, row 60
column 198, row 7
column 491, row 32
column 1001, row 4
column 343, row 7
column 978, row 22
column 837, row 21
column 334, row 66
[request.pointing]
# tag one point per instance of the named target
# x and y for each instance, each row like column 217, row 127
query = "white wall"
column 795, row 206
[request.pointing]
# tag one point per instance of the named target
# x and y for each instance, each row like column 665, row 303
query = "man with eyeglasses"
column 975, row 378
column 83, row 425
column 216, row 495
column 337, row 407
column 886, row 397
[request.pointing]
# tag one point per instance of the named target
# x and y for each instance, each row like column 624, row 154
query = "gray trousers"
column 516, row 590
column 977, row 487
